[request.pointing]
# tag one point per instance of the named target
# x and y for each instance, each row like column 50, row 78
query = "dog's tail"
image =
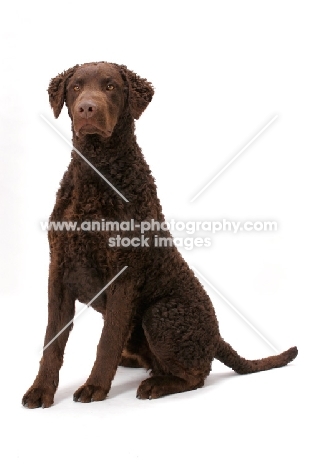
column 226, row 354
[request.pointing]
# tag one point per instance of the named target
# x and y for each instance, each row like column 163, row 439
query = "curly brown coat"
column 157, row 314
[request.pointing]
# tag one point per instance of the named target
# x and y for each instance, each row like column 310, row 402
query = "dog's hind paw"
column 154, row 387
column 37, row 397
column 159, row 386
column 88, row 393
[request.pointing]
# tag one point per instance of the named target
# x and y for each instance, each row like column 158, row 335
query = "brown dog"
column 157, row 314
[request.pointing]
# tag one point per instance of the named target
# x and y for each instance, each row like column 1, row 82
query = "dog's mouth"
column 87, row 128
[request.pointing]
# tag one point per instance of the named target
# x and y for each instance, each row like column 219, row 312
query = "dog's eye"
column 110, row 87
column 76, row 88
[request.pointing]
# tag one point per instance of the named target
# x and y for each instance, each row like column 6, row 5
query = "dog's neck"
column 121, row 162
column 112, row 156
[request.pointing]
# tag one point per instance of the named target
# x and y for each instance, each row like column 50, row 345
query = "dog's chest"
column 86, row 231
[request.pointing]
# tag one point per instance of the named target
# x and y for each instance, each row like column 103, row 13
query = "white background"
column 221, row 71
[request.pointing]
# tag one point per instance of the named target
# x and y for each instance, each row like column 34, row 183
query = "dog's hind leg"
column 127, row 361
column 181, row 349
column 136, row 353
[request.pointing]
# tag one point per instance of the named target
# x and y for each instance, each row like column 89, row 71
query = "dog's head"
column 97, row 94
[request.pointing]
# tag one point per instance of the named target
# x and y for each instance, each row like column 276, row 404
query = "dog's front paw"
column 87, row 393
column 38, row 396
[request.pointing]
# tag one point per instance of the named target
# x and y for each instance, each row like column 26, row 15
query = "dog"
column 156, row 313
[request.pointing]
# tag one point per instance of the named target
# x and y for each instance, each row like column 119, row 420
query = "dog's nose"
column 87, row 109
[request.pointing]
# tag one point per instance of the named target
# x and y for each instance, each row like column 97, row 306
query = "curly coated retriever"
column 157, row 314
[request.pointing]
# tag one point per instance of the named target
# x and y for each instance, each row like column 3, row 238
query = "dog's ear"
column 57, row 89
column 140, row 92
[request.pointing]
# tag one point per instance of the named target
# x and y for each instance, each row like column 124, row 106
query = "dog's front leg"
column 61, row 311
column 119, row 312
